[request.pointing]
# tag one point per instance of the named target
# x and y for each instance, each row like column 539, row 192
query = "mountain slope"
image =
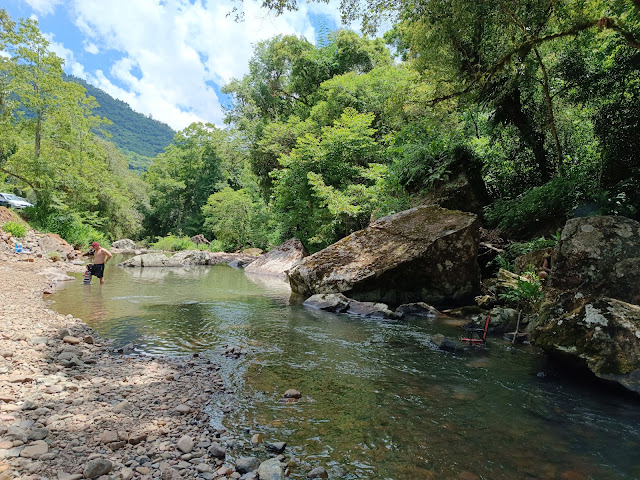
column 138, row 136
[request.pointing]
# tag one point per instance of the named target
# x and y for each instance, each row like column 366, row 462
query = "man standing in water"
column 100, row 257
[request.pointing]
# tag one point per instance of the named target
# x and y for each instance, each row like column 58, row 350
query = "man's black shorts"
column 97, row 270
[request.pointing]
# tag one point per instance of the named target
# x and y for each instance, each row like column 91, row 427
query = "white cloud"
column 44, row 7
column 169, row 52
column 91, row 47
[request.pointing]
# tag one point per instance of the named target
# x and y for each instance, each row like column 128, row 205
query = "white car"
column 14, row 201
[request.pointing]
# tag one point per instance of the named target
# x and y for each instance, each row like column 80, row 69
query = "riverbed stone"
column 318, row 472
column 35, row 450
column 279, row 260
column 271, row 469
column 424, row 254
column 96, row 467
column 277, row 447
column 217, row 451
column 417, row 309
column 247, row 464
column 185, row 444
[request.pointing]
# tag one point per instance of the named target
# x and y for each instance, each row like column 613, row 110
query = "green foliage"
column 137, row 135
column 513, row 250
column 174, row 243
column 235, row 220
column 16, row 229
column 527, row 294
column 71, row 227
column 554, row 201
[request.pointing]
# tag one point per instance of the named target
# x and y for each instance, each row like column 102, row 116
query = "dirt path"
column 70, row 408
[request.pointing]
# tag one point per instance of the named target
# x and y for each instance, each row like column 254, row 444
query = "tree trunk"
column 552, row 122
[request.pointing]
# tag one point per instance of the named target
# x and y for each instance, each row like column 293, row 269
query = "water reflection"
column 378, row 401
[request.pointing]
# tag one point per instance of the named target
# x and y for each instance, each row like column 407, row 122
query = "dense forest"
column 141, row 138
column 526, row 113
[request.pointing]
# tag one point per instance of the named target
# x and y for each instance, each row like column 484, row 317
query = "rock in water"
column 599, row 256
column 189, row 257
column 280, row 259
column 425, row 254
column 604, row 333
column 146, row 260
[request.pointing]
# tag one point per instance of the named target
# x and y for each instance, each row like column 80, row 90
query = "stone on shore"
column 279, row 260
column 425, row 254
column 247, row 464
column 96, row 467
column 271, row 469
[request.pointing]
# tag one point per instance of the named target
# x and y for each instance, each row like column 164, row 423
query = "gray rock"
column 146, row 260
column 418, row 309
column 35, row 450
column 189, row 257
column 124, row 244
column 338, row 303
column 330, row 302
column 271, row 469
column 277, row 447
column 216, row 450
column 96, row 467
column 318, row 472
column 247, row 464
column 425, row 254
column 599, row 256
column 601, row 333
column 170, row 474
column 185, row 444
column 38, row 433
column 279, row 260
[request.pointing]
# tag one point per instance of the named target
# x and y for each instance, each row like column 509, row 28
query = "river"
column 378, row 402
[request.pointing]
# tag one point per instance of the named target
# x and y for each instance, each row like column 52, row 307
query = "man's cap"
column 95, row 244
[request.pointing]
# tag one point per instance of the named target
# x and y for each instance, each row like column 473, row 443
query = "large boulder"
column 189, row 257
column 124, row 244
column 600, row 256
column 603, row 333
column 146, row 260
column 53, row 243
column 280, row 259
column 425, row 254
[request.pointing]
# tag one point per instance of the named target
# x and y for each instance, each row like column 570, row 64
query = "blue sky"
column 168, row 58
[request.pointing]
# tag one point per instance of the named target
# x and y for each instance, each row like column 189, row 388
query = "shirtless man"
column 100, row 257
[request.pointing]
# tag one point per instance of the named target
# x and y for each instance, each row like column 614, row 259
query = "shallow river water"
column 378, row 402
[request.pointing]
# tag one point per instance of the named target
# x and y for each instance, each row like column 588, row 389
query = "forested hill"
column 138, row 136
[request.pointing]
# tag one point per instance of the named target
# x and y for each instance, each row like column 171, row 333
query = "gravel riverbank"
column 71, row 408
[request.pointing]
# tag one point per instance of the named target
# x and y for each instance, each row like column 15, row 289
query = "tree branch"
column 22, row 179
column 484, row 77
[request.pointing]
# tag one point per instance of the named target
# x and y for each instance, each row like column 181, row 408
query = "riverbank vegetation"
column 535, row 106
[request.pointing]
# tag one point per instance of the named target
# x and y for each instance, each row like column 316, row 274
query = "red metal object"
column 481, row 332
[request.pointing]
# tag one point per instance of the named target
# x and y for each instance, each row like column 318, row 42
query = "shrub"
column 537, row 206
column 70, row 227
column 16, row 229
column 174, row 243
column 513, row 250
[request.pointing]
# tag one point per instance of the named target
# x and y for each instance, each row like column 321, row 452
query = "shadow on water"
column 378, row 402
